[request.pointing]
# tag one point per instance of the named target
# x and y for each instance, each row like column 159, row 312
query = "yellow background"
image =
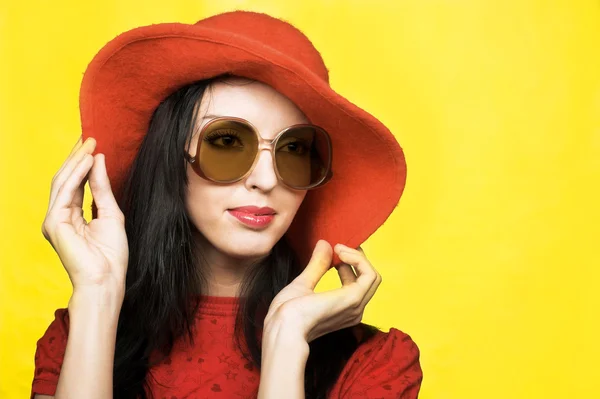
column 491, row 260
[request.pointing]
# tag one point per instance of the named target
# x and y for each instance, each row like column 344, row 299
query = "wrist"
column 100, row 298
column 284, row 337
column 284, row 356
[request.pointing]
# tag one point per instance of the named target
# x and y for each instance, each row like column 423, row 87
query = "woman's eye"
column 296, row 147
column 224, row 140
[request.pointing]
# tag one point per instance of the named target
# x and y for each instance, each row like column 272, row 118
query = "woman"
column 196, row 276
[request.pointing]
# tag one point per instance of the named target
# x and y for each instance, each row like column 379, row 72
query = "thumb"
column 101, row 191
column 318, row 265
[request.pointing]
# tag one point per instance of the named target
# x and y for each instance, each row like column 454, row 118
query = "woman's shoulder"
column 377, row 344
column 58, row 327
column 61, row 320
column 385, row 364
column 49, row 354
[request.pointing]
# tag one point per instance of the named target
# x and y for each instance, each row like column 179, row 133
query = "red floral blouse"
column 386, row 366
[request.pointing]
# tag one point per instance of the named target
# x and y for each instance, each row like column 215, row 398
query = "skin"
column 228, row 245
column 95, row 256
column 297, row 314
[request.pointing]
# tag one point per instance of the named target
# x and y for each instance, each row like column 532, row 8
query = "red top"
column 385, row 367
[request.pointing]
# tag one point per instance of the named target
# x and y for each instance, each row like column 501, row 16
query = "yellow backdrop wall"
column 490, row 262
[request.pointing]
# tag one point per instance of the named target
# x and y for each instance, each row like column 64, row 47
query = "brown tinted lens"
column 227, row 150
column 302, row 156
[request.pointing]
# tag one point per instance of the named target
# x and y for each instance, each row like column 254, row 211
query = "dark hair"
column 163, row 274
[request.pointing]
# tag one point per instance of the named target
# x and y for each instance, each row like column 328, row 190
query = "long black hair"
column 163, row 276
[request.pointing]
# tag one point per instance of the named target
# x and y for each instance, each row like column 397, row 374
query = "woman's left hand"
column 302, row 311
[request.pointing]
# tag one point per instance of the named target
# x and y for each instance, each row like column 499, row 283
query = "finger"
column 336, row 309
column 365, row 272
column 332, row 302
column 77, row 200
column 346, row 273
column 317, row 266
column 77, row 145
column 340, row 302
column 357, row 250
column 79, row 194
column 373, row 288
column 371, row 291
column 75, row 148
column 101, row 189
column 70, row 164
column 66, row 192
column 55, row 187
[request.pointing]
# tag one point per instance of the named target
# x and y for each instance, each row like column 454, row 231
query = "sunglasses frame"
column 262, row 144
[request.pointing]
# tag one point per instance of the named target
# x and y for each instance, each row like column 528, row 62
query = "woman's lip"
column 255, row 210
column 250, row 219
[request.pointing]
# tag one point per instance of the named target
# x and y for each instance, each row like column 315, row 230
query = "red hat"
column 369, row 169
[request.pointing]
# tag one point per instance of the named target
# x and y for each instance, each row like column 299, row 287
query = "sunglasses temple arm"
column 189, row 158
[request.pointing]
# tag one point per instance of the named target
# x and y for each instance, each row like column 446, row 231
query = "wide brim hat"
column 130, row 76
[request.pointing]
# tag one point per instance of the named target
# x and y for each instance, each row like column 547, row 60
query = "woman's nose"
column 263, row 175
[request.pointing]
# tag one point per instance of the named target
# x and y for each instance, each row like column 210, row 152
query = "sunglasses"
column 228, row 150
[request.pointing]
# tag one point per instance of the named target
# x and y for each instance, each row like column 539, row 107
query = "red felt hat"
column 129, row 77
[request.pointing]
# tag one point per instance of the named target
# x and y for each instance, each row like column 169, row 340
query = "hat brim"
column 134, row 72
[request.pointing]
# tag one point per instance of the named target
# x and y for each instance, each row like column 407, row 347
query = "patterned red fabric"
column 385, row 367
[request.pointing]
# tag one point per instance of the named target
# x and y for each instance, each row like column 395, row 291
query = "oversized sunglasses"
column 228, row 150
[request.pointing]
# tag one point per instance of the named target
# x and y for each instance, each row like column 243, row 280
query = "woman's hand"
column 301, row 310
column 94, row 254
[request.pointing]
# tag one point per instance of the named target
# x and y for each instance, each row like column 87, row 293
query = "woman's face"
column 227, row 238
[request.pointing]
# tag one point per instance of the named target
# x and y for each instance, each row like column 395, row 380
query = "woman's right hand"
column 95, row 254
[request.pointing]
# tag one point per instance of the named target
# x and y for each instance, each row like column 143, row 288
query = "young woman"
column 222, row 165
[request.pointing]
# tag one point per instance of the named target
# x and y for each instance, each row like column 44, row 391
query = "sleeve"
column 49, row 354
column 387, row 366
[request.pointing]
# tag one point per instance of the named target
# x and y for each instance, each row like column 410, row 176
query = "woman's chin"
column 250, row 253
